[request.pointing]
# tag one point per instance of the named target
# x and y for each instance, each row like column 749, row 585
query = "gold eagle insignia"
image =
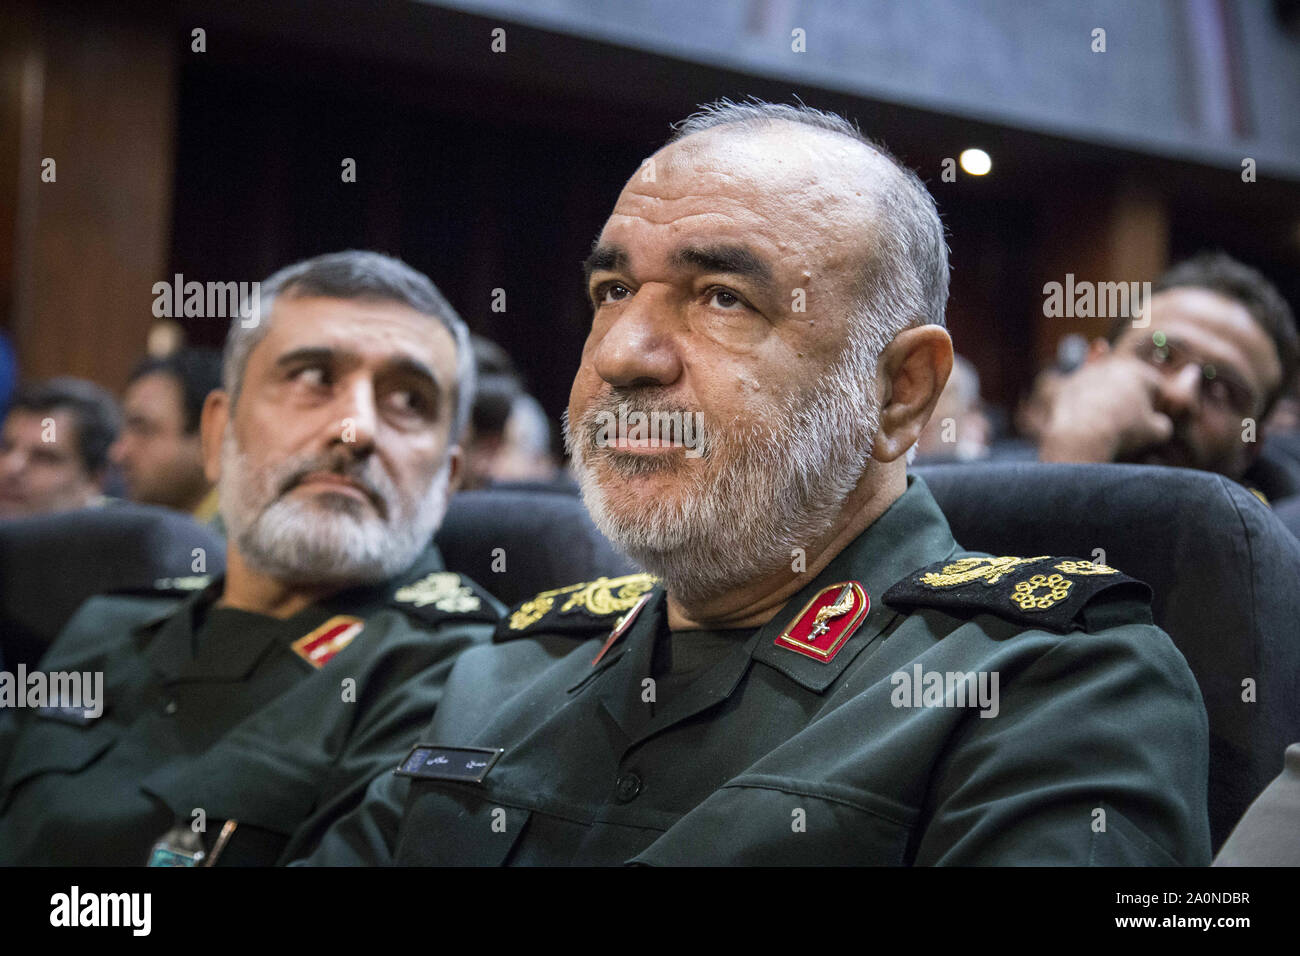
column 601, row 597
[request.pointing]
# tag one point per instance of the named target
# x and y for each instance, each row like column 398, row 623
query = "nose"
column 638, row 349
column 117, row 451
column 1180, row 392
column 356, row 416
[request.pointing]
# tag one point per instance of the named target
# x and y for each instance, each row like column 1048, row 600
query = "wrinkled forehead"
column 375, row 330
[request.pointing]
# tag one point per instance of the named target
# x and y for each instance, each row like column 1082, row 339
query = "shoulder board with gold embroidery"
column 444, row 596
column 1040, row 592
column 582, row 610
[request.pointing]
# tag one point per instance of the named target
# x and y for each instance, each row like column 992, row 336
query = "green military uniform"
column 214, row 714
column 763, row 747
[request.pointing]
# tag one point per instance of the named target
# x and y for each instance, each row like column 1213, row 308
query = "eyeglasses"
column 1219, row 390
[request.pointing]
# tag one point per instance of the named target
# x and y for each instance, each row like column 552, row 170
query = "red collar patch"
column 318, row 647
column 827, row 622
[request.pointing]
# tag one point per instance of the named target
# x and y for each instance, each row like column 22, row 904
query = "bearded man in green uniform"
column 814, row 672
column 238, row 720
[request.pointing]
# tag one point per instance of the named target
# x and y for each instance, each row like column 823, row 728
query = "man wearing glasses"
column 1189, row 387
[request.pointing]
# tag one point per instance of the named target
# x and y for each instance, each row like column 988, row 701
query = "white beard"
column 755, row 496
column 333, row 541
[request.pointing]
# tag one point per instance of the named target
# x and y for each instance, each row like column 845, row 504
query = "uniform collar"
column 171, row 635
column 910, row 534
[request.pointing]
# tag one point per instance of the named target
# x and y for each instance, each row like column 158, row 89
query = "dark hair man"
column 54, row 447
column 240, row 719
column 1189, row 382
column 159, row 451
column 769, row 695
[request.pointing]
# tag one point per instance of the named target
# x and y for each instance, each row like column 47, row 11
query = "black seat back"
column 50, row 564
column 544, row 539
column 1288, row 512
column 1225, row 572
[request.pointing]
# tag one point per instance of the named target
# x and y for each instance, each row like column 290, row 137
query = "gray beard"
column 776, row 487
column 332, row 542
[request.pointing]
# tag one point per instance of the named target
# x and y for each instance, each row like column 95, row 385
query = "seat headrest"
column 50, row 564
column 546, row 540
column 1223, row 568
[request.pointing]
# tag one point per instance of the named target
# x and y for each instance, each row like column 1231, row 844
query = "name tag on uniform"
column 432, row 762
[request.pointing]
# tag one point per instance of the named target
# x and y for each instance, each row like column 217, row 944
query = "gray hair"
column 353, row 274
column 904, row 283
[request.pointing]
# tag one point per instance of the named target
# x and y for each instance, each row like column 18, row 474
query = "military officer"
column 236, row 720
column 812, row 670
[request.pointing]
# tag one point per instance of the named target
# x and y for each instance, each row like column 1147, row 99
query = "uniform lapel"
column 616, row 686
column 170, row 634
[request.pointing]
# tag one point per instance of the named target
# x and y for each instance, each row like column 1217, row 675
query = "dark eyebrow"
column 323, row 356
column 733, row 260
column 613, row 258
column 310, row 353
column 411, row 366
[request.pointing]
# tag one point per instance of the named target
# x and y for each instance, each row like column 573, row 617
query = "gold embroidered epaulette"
column 577, row 609
column 445, row 594
column 1039, row 592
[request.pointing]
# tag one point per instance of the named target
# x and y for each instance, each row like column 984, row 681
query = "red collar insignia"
column 319, row 646
column 827, row 622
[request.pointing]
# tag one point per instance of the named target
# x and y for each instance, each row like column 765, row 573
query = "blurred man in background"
column 958, row 430
column 1188, row 388
column 510, row 437
column 160, row 453
column 54, row 447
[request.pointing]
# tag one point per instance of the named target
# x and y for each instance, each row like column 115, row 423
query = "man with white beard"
column 240, row 719
column 814, row 672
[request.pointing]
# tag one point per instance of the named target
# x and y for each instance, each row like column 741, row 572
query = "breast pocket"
column 456, row 825
column 757, row 820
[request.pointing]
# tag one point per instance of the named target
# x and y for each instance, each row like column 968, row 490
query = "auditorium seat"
column 1223, row 568
column 50, row 564
column 1276, row 472
column 547, row 540
column 1288, row 512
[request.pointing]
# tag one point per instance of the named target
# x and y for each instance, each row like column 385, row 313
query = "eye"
column 409, row 401
column 721, row 298
column 312, row 376
column 1218, row 391
column 611, row 293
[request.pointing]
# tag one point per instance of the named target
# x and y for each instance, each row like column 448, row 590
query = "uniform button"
column 627, row 787
column 170, row 708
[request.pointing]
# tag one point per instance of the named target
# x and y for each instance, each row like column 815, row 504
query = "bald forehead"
column 777, row 148
column 783, row 173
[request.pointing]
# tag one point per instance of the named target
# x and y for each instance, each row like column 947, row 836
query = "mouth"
column 642, row 446
column 325, row 481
